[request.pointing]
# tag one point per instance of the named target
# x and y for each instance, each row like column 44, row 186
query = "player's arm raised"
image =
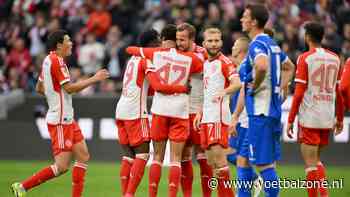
column 80, row 85
column 143, row 52
column 164, row 88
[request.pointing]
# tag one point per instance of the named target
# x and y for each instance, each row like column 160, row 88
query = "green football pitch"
column 102, row 180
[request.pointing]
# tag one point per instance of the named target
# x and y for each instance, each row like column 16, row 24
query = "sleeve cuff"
column 141, row 52
column 64, row 81
column 258, row 55
column 300, row 81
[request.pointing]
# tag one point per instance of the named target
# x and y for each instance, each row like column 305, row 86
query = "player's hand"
column 338, row 127
column 232, row 128
column 197, row 121
column 101, row 75
column 219, row 96
column 290, row 130
column 284, row 93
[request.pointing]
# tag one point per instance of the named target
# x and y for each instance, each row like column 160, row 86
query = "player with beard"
column 220, row 80
column 318, row 103
column 185, row 37
column 170, row 113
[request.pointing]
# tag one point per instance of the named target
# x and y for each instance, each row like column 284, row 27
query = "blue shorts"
column 264, row 135
column 240, row 142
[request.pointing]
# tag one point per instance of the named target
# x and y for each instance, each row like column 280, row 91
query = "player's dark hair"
column 315, row 31
column 149, row 38
column 54, row 38
column 189, row 28
column 259, row 13
column 169, row 32
column 269, row 32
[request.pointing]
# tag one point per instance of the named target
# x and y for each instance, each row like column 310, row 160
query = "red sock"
column 136, row 174
column 78, row 176
column 155, row 173
column 206, row 174
column 186, row 178
column 224, row 175
column 322, row 175
column 174, row 178
column 312, row 175
column 40, row 177
column 125, row 173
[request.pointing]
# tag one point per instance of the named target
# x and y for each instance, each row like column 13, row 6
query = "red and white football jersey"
column 345, row 84
column 217, row 76
column 173, row 67
column 54, row 73
column 320, row 70
column 196, row 83
column 133, row 101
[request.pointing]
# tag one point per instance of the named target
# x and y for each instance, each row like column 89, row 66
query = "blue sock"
column 244, row 176
column 232, row 158
column 270, row 175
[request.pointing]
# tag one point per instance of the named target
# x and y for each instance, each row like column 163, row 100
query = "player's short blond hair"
column 244, row 43
column 212, row 30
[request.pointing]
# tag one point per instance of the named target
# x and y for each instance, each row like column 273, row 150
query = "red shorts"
column 64, row 136
column 195, row 135
column 313, row 136
column 214, row 133
column 133, row 132
column 174, row 129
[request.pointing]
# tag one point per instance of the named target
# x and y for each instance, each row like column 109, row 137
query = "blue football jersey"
column 266, row 100
column 234, row 97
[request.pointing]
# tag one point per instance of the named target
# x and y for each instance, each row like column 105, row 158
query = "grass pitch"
column 102, row 180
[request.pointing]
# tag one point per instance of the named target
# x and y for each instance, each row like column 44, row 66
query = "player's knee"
column 144, row 156
column 242, row 162
column 220, row 160
column 63, row 167
column 83, row 158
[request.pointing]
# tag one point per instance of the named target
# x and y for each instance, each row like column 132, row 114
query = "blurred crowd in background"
column 101, row 29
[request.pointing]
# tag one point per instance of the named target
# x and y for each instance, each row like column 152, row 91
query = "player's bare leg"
column 138, row 168
column 310, row 154
column 217, row 156
column 82, row 156
column 322, row 173
column 205, row 170
column 187, row 170
column 155, row 171
column 176, row 149
column 61, row 165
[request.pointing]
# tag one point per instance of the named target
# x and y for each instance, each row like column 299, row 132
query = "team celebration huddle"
column 217, row 109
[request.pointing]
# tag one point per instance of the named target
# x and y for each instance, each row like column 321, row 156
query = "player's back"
column 54, row 74
column 133, row 101
column 173, row 68
column 266, row 100
column 321, row 70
